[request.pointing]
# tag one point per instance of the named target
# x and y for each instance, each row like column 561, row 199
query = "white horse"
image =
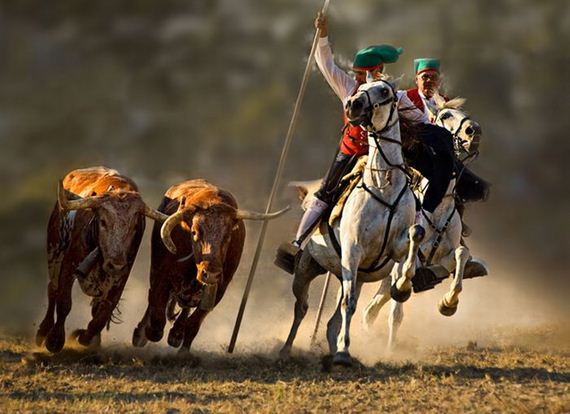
column 442, row 243
column 376, row 226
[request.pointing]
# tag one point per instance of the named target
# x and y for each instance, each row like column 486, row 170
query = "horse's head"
column 466, row 132
column 373, row 106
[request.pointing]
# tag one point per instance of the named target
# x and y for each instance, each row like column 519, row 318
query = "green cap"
column 423, row 64
column 373, row 56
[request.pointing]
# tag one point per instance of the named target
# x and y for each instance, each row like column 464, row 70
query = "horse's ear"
column 456, row 103
column 396, row 82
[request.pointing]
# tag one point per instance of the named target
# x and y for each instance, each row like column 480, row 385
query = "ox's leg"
column 305, row 273
column 378, row 301
column 47, row 323
column 158, row 296
column 402, row 289
column 101, row 315
column 139, row 339
column 176, row 334
column 448, row 304
column 56, row 336
column 193, row 324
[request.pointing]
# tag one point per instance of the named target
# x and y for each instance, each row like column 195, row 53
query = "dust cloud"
column 502, row 309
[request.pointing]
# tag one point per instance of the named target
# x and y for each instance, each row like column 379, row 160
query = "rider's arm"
column 340, row 82
column 408, row 110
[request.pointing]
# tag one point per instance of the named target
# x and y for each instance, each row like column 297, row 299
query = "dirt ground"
column 502, row 376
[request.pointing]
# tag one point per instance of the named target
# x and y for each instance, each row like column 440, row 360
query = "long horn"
column 169, row 225
column 252, row 215
column 155, row 214
column 69, row 201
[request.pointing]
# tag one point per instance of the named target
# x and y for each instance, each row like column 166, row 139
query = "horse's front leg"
column 381, row 297
column 402, row 289
column 448, row 304
column 350, row 261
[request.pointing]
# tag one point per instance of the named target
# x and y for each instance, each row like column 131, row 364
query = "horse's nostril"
column 469, row 131
column 356, row 106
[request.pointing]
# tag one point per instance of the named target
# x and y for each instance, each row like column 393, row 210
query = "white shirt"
column 344, row 85
column 428, row 103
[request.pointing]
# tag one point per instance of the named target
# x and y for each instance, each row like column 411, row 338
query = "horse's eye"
column 445, row 116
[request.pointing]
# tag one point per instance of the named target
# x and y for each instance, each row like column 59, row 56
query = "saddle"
column 346, row 185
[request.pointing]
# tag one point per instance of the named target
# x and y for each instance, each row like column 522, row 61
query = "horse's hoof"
column 175, row 337
column 343, row 359
column 285, row 353
column 139, row 339
column 55, row 339
column 399, row 296
column 446, row 310
column 152, row 334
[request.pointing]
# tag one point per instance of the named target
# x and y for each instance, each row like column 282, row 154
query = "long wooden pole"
column 276, row 182
column 320, row 310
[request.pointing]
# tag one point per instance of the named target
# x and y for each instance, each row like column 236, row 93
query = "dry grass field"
column 524, row 371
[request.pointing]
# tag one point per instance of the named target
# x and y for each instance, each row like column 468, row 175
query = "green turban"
column 371, row 57
column 423, row 64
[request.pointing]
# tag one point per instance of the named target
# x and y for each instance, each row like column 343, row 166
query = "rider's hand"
column 322, row 24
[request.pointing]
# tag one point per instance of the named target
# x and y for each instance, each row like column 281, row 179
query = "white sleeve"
column 407, row 109
column 340, row 82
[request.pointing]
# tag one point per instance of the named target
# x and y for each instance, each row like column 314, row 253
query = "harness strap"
column 440, row 233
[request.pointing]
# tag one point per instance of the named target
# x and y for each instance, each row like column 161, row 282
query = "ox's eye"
column 194, row 234
column 103, row 223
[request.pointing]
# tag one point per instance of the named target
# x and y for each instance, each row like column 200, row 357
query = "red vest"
column 414, row 95
column 354, row 139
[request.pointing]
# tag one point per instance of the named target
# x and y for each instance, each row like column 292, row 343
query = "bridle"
column 458, row 143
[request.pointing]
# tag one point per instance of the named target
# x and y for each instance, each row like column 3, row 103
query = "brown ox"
column 93, row 235
column 194, row 257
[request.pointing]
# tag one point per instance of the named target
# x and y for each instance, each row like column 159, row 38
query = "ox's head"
column 119, row 219
column 466, row 132
column 373, row 106
column 210, row 227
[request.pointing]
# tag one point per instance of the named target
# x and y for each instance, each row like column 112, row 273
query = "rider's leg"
column 323, row 197
column 435, row 161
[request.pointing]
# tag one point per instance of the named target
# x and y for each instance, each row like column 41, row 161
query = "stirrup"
column 287, row 257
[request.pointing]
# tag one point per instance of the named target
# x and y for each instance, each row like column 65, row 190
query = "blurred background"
column 168, row 90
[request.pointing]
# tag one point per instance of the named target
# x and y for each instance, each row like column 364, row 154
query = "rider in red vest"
column 368, row 63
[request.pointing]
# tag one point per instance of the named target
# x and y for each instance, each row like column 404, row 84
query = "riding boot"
column 310, row 220
column 288, row 254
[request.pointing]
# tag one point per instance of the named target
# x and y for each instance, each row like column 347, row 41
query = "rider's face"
column 360, row 75
column 428, row 82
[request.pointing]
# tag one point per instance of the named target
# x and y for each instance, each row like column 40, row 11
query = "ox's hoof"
column 55, row 339
column 175, row 337
column 83, row 338
column 399, row 296
column 139, row 339
column 343, row 359
column 152, row 334
column 447, row 310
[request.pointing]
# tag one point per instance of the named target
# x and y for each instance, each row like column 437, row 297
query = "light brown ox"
column 93, row 235
column 194, row 257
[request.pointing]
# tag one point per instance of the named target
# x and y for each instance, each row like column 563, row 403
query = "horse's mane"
column 455, row 103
